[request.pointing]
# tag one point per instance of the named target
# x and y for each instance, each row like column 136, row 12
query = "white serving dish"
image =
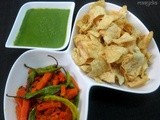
column 30, row 5
column 37, row 58
column 153, row 70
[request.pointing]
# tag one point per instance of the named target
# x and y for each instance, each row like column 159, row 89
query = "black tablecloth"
column 104, row 104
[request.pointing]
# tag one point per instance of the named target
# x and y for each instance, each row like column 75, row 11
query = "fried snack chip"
column 108, row 48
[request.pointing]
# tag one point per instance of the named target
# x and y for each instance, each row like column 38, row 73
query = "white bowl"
column 31, row 5
column 38, row 58
column 153, row 70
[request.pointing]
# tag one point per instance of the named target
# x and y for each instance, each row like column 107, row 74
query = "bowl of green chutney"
column 42, row 25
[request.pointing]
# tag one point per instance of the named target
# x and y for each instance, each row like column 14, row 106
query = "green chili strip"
column 73, row 108
column 68, row 77
column 40, row 71
column 76, row 100
column 32, row 114
column 31, row 78
column 50, row 68
column 49, row 90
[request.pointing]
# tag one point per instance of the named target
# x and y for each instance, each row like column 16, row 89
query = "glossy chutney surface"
column 43, row 28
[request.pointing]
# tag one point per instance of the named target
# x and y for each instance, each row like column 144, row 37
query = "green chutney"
column 43, row 28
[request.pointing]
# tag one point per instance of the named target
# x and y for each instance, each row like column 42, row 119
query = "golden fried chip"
column 110, row 49
column 79, row 56
column 94, row 32
column 105, row 22
column 98, row 66
column 133, row 65
column 126, row 37
column 91, row 47
column 128, row 28
column 108, row 77
column 123, row 11
column 114, row 14
column 113, row 53
column 118, row 76
column 85, row 19
column 80, row 37
column 83, row 27
column 121, row 22
column 138, row 82
column 113, row 32
column 98, row 3
column 144, row 43
column 86, row 68
column 96, row 12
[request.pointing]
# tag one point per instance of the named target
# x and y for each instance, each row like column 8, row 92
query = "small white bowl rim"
column 11, row 38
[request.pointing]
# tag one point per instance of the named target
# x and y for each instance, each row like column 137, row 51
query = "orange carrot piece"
column 18, row 112
column 47, row 105
column 63, row 90
column 71, row 93
column 55, row 80
column 25, row 110
column 20, row 93
column 75, row 83
column 22, row 108
column 43, row 82
column 61, row 77
column 65, row 115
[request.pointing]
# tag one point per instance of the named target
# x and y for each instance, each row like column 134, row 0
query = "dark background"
column 104, row 104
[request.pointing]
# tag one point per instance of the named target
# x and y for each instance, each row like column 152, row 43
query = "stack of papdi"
column 109, row 49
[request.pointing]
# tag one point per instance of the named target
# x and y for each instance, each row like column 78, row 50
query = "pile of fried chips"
column 109, row 49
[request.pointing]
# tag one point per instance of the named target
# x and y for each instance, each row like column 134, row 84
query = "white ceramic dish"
column 37, row 58
column 153, row 71
column 31, row 5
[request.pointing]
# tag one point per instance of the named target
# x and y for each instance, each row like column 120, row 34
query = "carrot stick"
column 25, row 110
column 22, row 107
column 61, row 76
column 65, row 115
column 63, row 90
column 20, row 93
column 18, row 112
column 55, row 80
column 43, row 82
column 47, row 105
column 58, row 78
column 71, row 93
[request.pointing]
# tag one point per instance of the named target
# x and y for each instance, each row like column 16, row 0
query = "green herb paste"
column 43, row 28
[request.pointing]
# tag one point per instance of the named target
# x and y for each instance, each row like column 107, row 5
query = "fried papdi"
column 109, row 48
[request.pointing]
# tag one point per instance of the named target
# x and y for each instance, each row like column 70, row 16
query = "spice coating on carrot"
column 50, row 82
column 23, row 106
column 43, row 82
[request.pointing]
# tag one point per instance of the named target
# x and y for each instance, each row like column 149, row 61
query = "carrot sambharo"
column 51, row 93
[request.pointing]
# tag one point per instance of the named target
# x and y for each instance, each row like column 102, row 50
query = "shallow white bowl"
column 153, row 70
column 38, row 58
column 30, row 5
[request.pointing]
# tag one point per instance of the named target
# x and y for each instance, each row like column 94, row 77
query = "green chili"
column 50, row 68
column 68, row 78
column 76, row 100
column 40, row 71
column 31, row 78
column 49, row 90
column 32, row 114
column 73, row 108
